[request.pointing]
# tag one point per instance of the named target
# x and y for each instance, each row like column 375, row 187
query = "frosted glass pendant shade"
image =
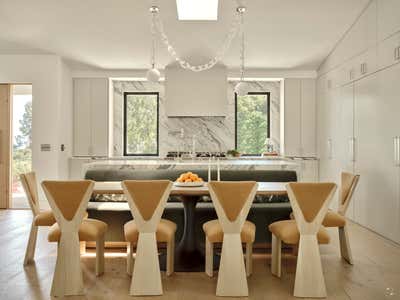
column 153, row 75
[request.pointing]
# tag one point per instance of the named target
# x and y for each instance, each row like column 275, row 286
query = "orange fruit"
column 188, row 180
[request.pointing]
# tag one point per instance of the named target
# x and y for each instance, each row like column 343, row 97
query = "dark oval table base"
column 189, row 256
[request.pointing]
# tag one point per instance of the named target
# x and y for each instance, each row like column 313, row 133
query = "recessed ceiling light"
column 197, row 10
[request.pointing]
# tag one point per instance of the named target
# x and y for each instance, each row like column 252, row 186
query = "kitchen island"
column 184, row 165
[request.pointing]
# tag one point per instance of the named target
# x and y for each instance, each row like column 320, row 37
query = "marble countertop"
column 226, row 164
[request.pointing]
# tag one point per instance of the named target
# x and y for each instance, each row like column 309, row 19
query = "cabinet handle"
column 352, row 149
column 330, row 149
column 397, row 53
column 351, row 74
column 396, row 147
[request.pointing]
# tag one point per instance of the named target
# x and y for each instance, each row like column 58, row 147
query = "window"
column 252, row 118
column 141, row 123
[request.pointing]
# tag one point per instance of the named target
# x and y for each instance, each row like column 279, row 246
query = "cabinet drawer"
column 389, row 51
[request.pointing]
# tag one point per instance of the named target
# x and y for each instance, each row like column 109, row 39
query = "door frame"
column 5, row 145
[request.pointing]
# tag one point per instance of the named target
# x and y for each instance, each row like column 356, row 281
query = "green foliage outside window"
column 252, row 122
column 141, row 137
column 22, row 151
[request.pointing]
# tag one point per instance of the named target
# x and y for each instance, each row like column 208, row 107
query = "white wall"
column 51, row 120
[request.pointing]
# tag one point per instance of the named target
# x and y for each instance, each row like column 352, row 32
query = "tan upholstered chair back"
column 68, row 199
column 232, row 201
column 29, row 184
column 310, row 202
column 147, row 199
column 349, row 183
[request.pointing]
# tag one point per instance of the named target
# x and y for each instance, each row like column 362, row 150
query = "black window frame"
column 268, row 94
column 126, row 94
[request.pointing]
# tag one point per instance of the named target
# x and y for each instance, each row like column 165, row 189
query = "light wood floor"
column 374, row 276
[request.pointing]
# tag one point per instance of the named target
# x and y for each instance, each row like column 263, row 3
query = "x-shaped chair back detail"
column 147, row 200
column 29, row 184
column 232, row 202
column 310, row 202
column 68, row 201
column 349, row 183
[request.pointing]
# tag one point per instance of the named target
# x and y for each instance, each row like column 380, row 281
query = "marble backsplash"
column 209, row 133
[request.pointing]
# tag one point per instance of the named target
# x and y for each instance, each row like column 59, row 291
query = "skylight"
column 197, row 10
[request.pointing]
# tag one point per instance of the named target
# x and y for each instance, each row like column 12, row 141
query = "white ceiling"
column 115, row 34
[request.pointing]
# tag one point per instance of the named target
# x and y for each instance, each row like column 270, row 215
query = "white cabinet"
column 308, row 170
column 77, row 167
column 308, row 118
column 377, row 107
column 300, row 118
column 90, row 117
column 389, row 51
column 388, row 17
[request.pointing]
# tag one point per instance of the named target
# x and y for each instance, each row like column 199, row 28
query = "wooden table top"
column 264, row 188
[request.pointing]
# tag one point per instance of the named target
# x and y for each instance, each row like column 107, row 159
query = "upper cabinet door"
column 82, row 117
column 292, row 130
column 99, row 116
column 90, row 117
column 389, row 51
column 308, row 117
column 388, row 18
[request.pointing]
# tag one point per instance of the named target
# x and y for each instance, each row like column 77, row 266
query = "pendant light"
column 153, row 74
column 242, row 88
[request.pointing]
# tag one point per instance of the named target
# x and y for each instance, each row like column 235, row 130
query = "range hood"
column 196, row 94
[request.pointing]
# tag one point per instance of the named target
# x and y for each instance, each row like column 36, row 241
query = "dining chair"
column 337, row 219
column 310, row 203
column 232, row 202
column 68, row 200
column 40, row 217
column 147, row 200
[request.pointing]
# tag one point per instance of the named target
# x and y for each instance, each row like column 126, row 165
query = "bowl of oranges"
column 189, row 179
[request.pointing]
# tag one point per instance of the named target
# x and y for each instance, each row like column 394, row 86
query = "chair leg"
column 146, row 278
column 345, row 249
column 68, row 262
column 83, row 248
column 232, row 279
column 31, row 246
column 209, row 267
column 309, row 281
column 129, row 258
column 100, row 256
column 170, row 256
column 249, row 259
column 276, row 256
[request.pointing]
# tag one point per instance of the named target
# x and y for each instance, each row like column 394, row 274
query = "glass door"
column 21, row 141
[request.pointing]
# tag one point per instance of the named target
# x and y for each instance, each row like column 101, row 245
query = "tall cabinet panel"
column 292, row 117
column 300, row 119
column 82, row 117
column 376, row 125
column 308, row 118
column 90, row 117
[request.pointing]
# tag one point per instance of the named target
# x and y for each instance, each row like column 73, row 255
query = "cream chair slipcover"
column 348, row 185
column 232, row 202
column 147, row 200
column 68, row 200
column 310, row 203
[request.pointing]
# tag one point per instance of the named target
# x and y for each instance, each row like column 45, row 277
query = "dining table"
column 189, row 256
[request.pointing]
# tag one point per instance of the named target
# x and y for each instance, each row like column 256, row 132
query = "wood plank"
column 5, row 144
